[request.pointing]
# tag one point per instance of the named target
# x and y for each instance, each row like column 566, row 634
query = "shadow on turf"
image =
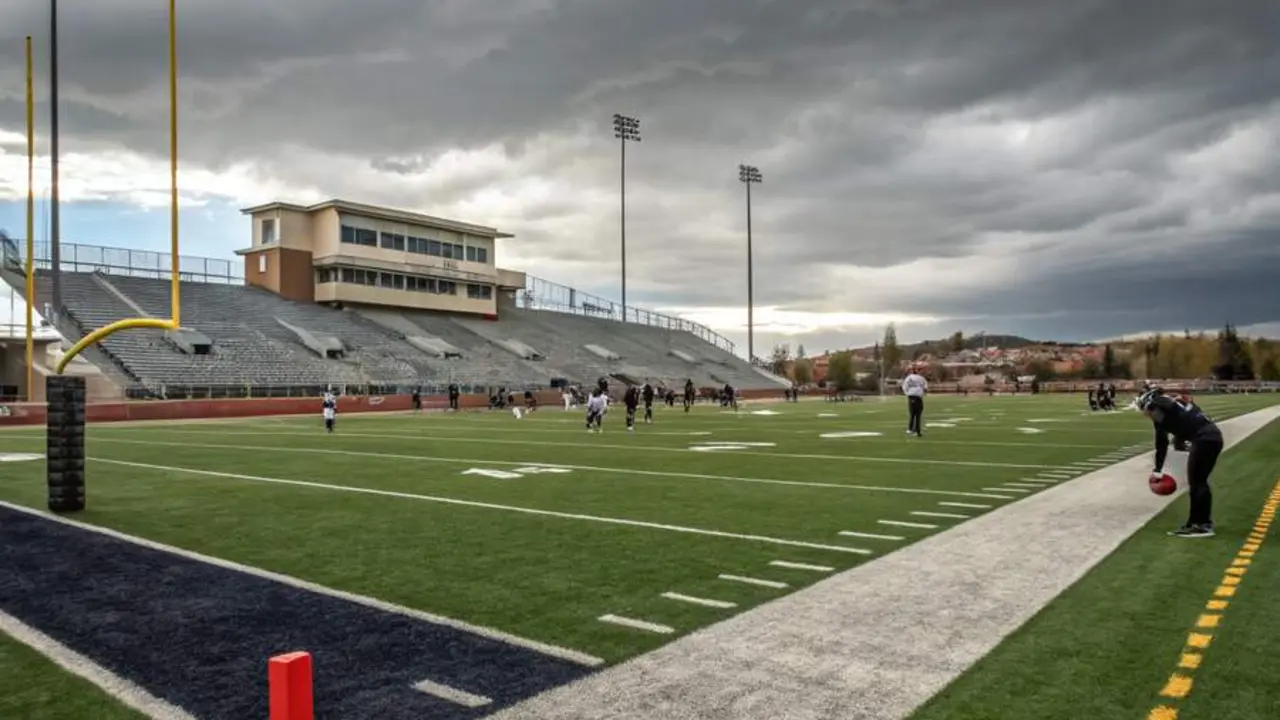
column 199, row 635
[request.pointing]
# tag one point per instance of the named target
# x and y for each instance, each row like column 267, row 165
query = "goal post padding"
column 65, row 421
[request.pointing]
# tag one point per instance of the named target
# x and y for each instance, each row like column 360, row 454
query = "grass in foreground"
column 33, row 687
column 1107, row 646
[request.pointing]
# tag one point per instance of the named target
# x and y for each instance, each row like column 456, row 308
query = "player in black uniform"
column 647, row 395
column 632, row 400
column 1188, row 425
column 417, row 399
column 688, row 395
column 729, row 397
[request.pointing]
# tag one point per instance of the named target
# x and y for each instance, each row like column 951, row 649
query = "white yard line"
column 584, row 468
column 127, row 692
column 705, row 602
column 490, row 506
column 801, row 566
column 903, row 523
column 953, row 516
column 453, row 695
column 777, row 585
column 544, row 648
column 637, row 624
column 975, row 506
column 869, row 536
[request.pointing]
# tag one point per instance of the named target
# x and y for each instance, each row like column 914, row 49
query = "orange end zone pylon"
column 289, row 680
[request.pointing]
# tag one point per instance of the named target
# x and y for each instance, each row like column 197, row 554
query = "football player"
column 329, row 411
column 597, row 406
column 1190, row 427
column 632, row 400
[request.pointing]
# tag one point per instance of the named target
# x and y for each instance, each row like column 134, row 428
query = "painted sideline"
column 567, row 654
column 122, row 690
column 1180, row 683
column 886, row 636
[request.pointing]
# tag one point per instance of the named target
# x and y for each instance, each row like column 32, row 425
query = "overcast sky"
column 1056, row 169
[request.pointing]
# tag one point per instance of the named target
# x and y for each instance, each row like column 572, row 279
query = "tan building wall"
column 366, row 295
column 293, row 246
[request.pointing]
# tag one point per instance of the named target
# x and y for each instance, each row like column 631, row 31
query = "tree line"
column 1224, row 356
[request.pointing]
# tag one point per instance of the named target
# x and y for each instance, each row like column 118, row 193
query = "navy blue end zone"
column 198, row 635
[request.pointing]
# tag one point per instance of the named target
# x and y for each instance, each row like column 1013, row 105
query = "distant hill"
column 943, row 345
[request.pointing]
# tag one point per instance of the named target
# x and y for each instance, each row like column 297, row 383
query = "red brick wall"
column 33, row 413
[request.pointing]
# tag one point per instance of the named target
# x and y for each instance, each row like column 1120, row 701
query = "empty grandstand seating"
column 256, row 338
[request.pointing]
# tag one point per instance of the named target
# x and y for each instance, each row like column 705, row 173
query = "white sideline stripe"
column 753, row 581
column 584, row 468
column 73, row 662
column 633, row 448
column 1009, row 490
column 495, row 506
column 552, row 650
column 1039, row 481
column 453, row 695
column 922, row 513
column 903, row 523
column 637, row 624
column 1060, row 474
column 869, row 536
column 975, row 506
column 1022, row 485
column 699, row 601
column 801, row 566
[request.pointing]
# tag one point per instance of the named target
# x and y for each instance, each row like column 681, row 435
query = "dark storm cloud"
column 1035, row 161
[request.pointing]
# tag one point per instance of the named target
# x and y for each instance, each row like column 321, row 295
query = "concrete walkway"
column 877, row 641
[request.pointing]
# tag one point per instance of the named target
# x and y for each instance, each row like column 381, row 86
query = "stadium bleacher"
column 259, row 340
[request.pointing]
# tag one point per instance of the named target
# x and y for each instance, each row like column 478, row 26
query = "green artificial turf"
column 1107, row 647
column 543, row 554
column 33, row 687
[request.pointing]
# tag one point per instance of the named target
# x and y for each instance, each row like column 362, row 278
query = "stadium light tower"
column 750, row 175
column 55, row 213
column 626, row 129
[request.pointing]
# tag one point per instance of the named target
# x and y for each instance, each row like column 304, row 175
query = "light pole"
column 626, row 129
column 55, row 230
column 750, row 175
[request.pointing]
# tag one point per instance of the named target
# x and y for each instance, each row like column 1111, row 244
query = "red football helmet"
column 1162, row 484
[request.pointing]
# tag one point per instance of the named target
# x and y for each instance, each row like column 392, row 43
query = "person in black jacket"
column 1189, row 426
column 632, row 400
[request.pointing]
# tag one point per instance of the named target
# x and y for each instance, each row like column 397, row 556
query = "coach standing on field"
column 914, row 386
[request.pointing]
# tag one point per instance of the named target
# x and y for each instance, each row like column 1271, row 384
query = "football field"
column 589, row 548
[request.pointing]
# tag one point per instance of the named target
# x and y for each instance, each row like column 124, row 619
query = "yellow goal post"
column 174, row 322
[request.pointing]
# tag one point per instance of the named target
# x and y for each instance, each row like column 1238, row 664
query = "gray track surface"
column 876, row 642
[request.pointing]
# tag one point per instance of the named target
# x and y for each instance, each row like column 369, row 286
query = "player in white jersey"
column 330, row 411
column 914, row 386
column 597, row 406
